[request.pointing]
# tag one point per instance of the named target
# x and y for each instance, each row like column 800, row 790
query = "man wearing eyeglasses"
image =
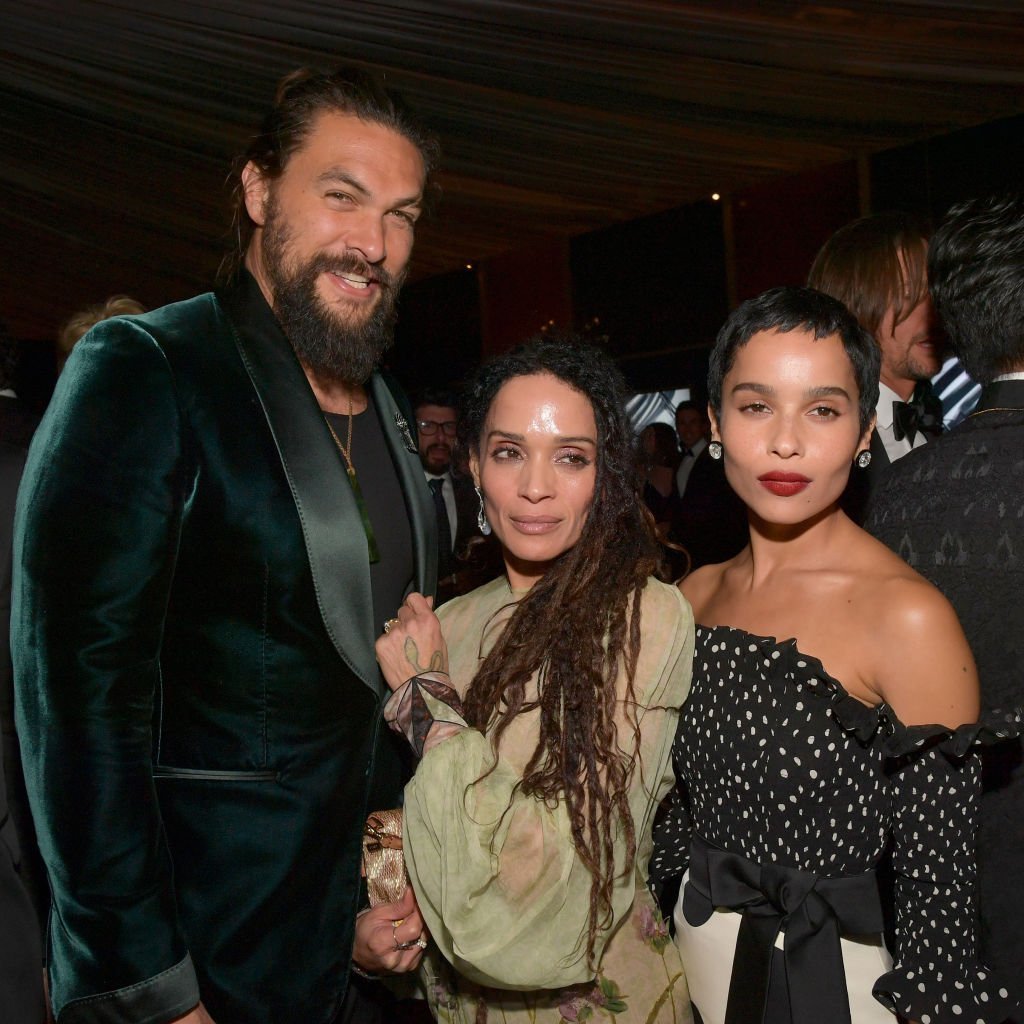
column 461, row 559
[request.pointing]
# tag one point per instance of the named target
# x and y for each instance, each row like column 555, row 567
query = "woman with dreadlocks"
column 543, row 706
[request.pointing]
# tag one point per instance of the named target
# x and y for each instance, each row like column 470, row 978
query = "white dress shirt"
column 893, row 448
column 683, row 472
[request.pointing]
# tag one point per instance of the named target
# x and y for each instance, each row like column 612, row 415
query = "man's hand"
column 383, row 930
column 196, row 1016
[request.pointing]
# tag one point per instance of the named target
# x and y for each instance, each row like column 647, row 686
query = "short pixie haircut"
column 798, row 309
column 976, row 269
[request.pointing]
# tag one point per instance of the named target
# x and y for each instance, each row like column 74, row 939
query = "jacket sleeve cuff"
column 157, row 1000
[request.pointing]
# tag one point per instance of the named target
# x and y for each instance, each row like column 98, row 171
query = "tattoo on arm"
column 412, row 655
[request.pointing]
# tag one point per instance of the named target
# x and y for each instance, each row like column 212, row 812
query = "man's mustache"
column 350, row 263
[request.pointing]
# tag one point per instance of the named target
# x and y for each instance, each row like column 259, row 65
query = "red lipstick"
column 785, row 485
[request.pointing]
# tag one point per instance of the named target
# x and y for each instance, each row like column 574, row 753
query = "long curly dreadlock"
column 577, row 626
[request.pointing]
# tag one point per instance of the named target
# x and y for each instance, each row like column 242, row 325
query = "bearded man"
column 223, row 505
column 876, row 266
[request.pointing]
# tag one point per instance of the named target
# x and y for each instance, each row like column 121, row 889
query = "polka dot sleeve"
column 937, row 978
column 672, row 832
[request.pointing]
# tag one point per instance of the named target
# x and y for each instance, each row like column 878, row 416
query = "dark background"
column 658, row 285
column 583, row 140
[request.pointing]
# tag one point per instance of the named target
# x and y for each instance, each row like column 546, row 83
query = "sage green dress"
column 499, row 884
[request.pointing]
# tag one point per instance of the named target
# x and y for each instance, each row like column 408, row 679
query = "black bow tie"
column 922, row 413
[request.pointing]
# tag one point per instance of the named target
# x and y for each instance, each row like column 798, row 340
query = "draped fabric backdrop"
column 118, row 119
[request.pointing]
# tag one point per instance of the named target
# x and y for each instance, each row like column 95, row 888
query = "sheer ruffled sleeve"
column 936, row 788
column 426, row 711
column 495, row 872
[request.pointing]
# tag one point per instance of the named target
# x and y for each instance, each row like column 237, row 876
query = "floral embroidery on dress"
column 586, row 1000
column 654, row 929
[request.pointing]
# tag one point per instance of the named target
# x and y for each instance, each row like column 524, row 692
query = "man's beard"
column 425, row 457
column 326, row 343
column 913, row 367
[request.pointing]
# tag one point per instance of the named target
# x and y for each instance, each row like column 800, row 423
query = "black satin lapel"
column 419, row 505
column 331, row 524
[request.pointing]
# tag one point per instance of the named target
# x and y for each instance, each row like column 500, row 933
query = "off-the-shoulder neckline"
column 791, row 643
column 864, row 719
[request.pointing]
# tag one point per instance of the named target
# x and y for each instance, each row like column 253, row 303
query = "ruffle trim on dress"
column 897, row 740
column 992, row 727
column 968, row 993
column 879, row 723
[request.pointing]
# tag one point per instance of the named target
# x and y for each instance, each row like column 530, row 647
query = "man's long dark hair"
column 578, row 627
column 301, row 97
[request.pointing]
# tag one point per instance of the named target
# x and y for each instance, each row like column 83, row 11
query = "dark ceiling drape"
column 119, row 120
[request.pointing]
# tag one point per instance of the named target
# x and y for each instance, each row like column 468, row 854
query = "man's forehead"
column 338, row 136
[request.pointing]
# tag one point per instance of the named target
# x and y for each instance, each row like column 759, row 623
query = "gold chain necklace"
column 345, row 448
column 364, row 513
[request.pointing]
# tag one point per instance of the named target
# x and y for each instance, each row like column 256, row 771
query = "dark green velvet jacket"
column 197, row 690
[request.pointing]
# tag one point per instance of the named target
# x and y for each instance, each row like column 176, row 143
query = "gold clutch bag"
column 383, row 860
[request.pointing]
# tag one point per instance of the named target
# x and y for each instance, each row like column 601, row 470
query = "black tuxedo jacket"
column 477, row 558
column 709, row 520
column 467, row 507
column 954, row 510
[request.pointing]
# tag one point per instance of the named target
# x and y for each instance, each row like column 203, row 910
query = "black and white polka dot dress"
column 777, row 763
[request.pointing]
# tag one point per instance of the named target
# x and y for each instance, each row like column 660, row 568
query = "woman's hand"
column 383, row 932
column 413, row 643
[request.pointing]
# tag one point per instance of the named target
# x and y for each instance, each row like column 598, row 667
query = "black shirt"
column 391, row 576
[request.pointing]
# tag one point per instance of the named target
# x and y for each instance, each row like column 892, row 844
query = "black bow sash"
column 812, row 910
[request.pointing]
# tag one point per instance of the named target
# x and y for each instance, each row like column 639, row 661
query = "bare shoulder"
column 920, row 661
column 893, row 597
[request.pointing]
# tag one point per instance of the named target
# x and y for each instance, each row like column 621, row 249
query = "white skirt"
column 708, row 951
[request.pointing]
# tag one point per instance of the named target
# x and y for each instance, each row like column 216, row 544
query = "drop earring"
column 481, row 517
column 863, row 459
column 715, row 450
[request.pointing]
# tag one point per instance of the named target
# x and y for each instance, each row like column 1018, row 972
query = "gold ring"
column 389, row 625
